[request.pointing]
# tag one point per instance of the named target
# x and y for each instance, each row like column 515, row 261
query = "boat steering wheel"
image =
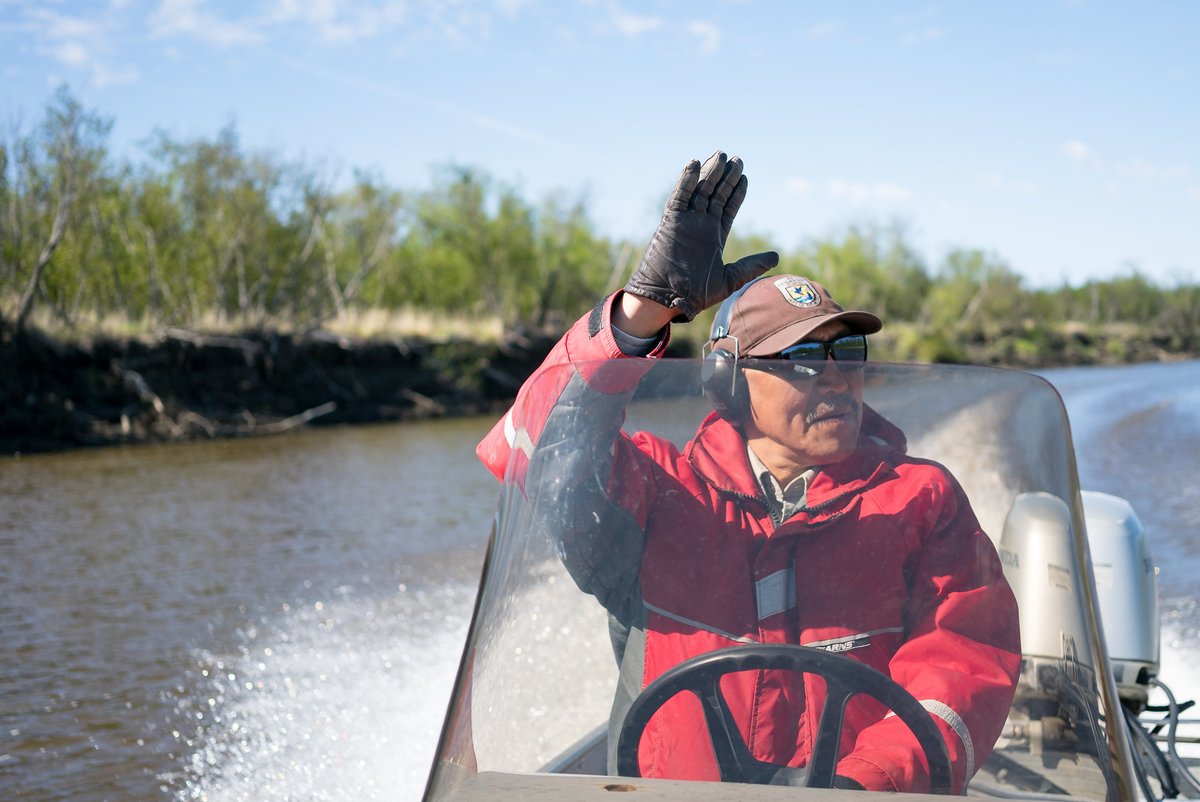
column 844, row 678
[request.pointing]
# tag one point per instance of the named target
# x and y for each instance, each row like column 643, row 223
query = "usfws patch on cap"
column 797, row 291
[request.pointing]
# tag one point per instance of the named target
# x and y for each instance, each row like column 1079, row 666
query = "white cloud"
column 1137, row 168
column 892, row 193
column 633, row 24
column 920, row 37
column 52, row 25
column 799, row 186
column 1149, row 171
column 823, row 29
column 103, row 75
column 190, row 18
column 338, row 21
column 860, row 193
column 511, row 7
column 917, row 16
column 71, row 53
column 708, row 34
column 67, row 33
column 996, row 180
column 1076, row 150
column 81, row 43
column 461, row 25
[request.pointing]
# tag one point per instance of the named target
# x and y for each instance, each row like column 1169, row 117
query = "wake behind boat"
column 1090, row 718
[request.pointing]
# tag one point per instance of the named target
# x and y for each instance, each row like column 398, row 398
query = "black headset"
column 720, row 376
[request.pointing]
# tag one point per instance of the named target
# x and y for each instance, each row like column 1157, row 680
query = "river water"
column 281, row 618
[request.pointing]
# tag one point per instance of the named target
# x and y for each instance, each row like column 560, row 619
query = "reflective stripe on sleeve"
column 517, row 438
column 956, row 723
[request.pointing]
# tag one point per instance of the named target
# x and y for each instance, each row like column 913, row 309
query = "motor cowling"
column 1041, row 566
column 1037, row 550
column 1127, row 587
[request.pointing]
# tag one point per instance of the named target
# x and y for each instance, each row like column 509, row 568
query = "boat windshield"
column 534, row 700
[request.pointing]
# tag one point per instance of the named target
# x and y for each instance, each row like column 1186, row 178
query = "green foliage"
column 203, row 231
column 46, row 177
column 972, row 289
column 868, row 268
column 573, row 263
column 909, row 342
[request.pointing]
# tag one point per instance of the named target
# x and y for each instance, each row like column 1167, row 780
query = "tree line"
column 205, row 231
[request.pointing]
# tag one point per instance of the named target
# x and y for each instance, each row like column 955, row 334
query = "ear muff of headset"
column 720, row 375
column 725, row 386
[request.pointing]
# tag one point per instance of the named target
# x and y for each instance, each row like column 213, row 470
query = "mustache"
column 834, row 405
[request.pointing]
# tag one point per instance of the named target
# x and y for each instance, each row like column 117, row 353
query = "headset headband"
column 724, row 317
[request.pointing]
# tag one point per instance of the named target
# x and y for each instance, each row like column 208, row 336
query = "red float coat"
column 886, row 563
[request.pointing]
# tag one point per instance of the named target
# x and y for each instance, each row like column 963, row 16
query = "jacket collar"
column 718, row 454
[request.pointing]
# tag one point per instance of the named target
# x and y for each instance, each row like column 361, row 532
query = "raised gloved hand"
column 682, row 267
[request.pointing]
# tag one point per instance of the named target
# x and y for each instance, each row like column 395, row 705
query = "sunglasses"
column 809, row 359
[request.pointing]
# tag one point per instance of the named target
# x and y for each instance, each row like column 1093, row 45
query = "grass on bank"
column 1022, row 344
column 366, row 324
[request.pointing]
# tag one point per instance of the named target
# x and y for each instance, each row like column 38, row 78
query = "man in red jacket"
column 793, row 516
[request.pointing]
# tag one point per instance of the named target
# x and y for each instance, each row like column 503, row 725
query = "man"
column 793, row 516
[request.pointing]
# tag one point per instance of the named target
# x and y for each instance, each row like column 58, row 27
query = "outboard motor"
column 1127, row 591
column 1127, row 586
column 1038, row 553
column 1036, row 548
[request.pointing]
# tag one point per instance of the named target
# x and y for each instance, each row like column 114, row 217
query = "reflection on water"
column 281, row 618
column 222, row 619
column 1137, row 435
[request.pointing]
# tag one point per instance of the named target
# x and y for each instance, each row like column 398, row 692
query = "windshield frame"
column 897, row 390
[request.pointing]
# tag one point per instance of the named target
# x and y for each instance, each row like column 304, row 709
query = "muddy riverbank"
column 183, row 385
column 180, row 385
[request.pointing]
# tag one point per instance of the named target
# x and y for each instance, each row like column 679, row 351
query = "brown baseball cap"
column 773, row 312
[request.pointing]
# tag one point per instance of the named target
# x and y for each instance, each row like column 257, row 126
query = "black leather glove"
column 682, row 267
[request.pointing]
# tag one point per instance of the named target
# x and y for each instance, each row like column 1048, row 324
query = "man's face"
column 806, row 421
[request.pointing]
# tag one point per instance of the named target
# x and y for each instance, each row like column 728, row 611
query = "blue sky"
column 1064, row 137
